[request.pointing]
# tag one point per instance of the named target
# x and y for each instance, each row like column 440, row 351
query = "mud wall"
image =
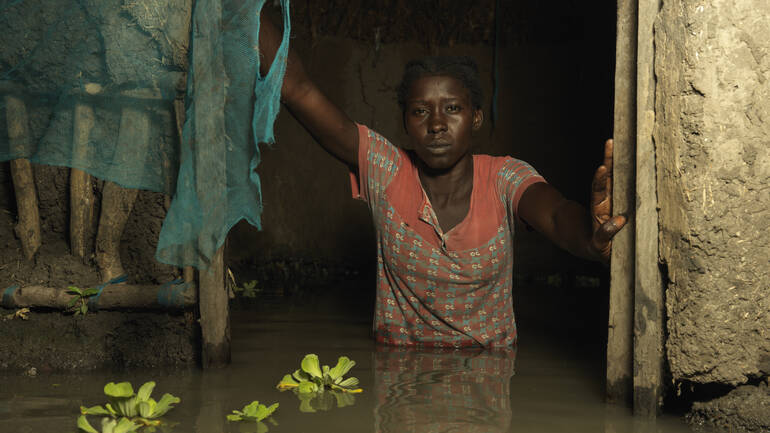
column 712, row 142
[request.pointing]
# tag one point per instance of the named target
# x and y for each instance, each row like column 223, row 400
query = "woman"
column 443, row 216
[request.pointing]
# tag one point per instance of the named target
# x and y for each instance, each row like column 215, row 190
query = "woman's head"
column 440, row 113
column 462, row 68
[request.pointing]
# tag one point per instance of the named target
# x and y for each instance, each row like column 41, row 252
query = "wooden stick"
column 620, row 333
column 81, row 191
column 215, row 314
column 117, row 202
column 113, row 297
column 28, row 227
column 209, row 91
column 648, row 293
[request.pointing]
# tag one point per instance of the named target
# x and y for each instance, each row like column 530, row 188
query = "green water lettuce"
column 314, row 378
column 140, row 407
column 253, row 411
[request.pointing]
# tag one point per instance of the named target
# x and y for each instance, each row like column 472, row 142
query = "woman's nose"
column 436, row 123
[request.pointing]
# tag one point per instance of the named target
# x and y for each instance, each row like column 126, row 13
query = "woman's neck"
column 447, row 186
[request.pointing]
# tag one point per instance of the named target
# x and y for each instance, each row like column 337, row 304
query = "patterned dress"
column 437, row 289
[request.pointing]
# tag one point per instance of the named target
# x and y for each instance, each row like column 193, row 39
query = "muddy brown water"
column 545, row 385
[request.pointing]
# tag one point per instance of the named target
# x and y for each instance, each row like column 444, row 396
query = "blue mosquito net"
column 98, row 86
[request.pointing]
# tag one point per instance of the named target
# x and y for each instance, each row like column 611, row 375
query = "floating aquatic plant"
column 138, row 408
column 254, row 411
column 314, row 378
column 311, row 382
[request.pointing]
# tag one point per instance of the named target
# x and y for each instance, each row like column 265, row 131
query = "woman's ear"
column 478, row 119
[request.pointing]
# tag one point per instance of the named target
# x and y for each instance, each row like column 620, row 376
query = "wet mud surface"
column 744, row 409
column 54, row 341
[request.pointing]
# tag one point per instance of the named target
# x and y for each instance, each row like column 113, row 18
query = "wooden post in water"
column 620, row 333
column 28, row 226
column 81, row 191
column 210, row 171
column 648, row 293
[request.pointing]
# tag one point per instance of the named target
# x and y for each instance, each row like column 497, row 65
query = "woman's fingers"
column 608, row 145
column 607, row 231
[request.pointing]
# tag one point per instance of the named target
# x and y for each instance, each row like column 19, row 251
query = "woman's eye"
column 418, row 111
column 453, row 108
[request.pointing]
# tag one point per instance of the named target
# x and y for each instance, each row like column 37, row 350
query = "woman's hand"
column 604, row 225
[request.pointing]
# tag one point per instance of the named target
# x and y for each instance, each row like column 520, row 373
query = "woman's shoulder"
column 375, row 143
column 493, row 164
column 500, row 164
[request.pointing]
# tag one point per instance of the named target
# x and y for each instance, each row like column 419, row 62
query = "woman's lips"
column 438, row 147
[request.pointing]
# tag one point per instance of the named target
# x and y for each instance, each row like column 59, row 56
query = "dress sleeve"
column 378, row 163
column 513, row 178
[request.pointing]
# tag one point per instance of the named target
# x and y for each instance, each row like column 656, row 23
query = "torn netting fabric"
column 218, row 185
column 96, row 85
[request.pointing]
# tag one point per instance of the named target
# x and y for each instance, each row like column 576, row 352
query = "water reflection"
column 440, row 390
column 326, row 400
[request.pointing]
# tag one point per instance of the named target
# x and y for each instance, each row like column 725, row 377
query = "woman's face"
column 439, row 120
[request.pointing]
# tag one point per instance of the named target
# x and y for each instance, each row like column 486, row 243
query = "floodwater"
column 546, row 385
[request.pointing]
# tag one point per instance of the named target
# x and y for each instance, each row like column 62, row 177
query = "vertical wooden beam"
column 215, row 314
column 620, row 335
column 648, row 293
column 28, row 227
column 117, row 202
column 81, row 191
column 210, row 170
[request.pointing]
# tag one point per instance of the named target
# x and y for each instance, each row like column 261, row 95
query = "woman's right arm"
column 326, row 122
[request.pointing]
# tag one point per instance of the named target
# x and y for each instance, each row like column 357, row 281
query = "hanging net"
column 99, row 85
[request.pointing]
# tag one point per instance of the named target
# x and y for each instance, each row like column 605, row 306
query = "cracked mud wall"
column 712, row 142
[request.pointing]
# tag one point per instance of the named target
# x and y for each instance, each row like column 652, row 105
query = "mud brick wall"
column 712, row 142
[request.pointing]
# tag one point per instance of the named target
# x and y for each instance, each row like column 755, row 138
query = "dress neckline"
column 428, row 214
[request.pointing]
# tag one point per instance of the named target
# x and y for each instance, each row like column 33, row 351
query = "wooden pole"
column 648, row 293
column 215, row 314
column 117, row 202
column 113, row 297
column 81, row 191
column 28, row 227
column 210, row 161
column 620, row 327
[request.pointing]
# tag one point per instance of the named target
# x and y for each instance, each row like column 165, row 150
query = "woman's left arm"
column 567, row 223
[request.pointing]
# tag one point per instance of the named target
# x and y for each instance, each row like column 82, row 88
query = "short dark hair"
column 463, row 68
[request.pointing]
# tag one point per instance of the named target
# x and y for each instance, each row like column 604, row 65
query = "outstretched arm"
column 567, row 223
column 328, row 125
